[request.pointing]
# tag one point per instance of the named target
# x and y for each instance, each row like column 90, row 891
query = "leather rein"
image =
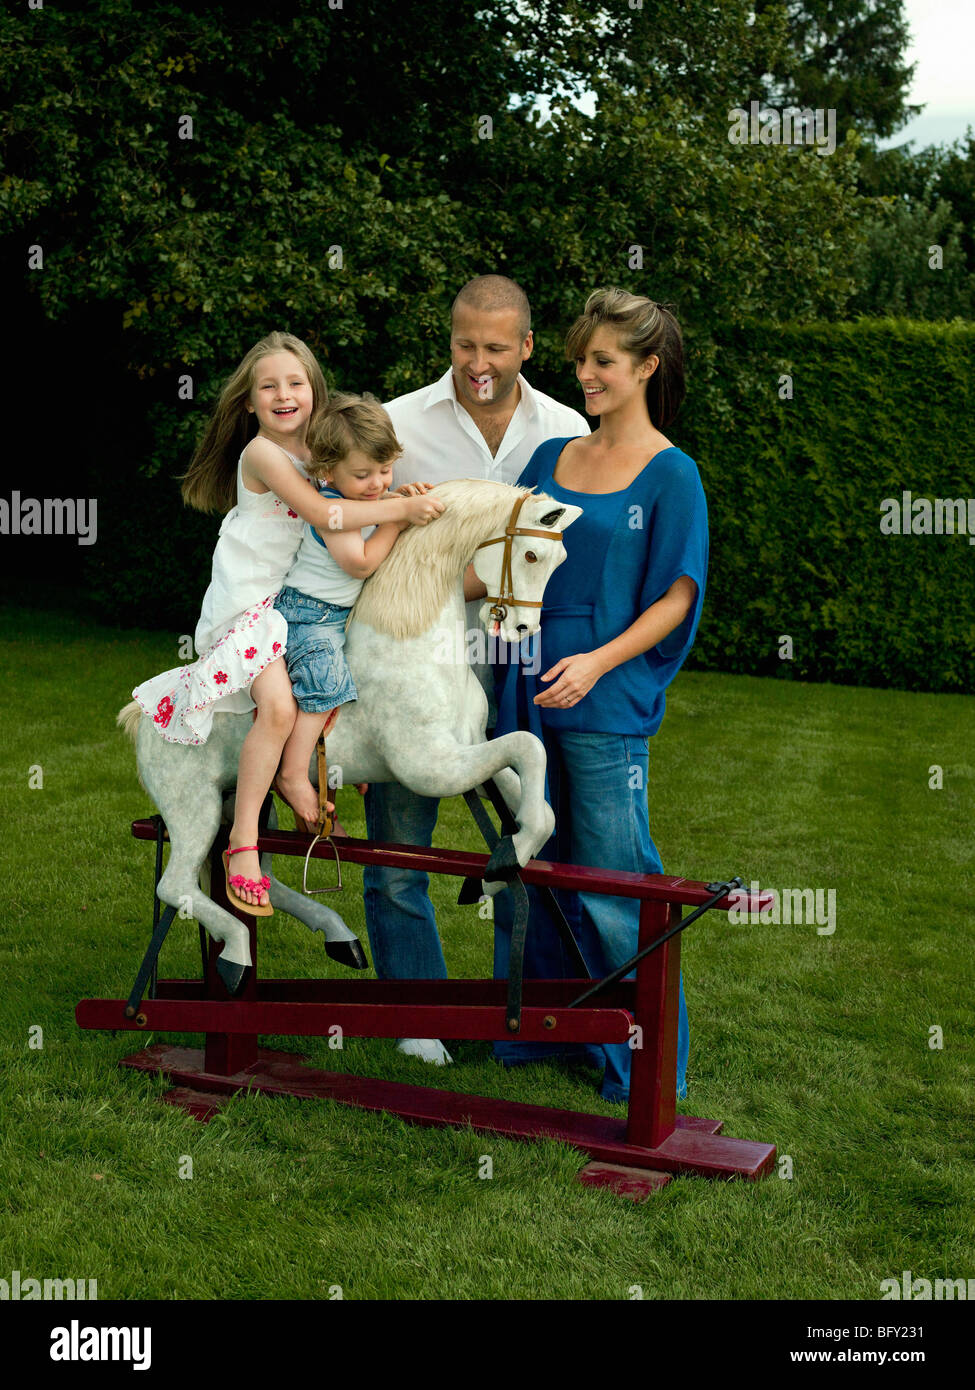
column 505, row 595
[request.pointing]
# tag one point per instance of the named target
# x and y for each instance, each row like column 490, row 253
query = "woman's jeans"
column 598, row 791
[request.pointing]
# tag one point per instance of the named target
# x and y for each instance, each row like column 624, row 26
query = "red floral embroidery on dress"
column 164, row 712
column 276, row 647
column 292, row 513
column 250, row 653
column 221, row 678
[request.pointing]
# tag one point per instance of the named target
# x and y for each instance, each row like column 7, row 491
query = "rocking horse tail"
column 128, row 718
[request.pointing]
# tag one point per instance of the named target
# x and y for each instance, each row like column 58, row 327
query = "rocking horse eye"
column 530, row 556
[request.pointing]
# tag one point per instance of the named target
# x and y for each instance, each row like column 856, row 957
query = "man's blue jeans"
column 598, row 791
column 399, row 914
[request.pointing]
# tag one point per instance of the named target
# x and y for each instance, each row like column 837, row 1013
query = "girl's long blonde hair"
column 210, row 482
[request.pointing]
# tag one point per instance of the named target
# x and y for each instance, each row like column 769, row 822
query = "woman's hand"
column 576, row 677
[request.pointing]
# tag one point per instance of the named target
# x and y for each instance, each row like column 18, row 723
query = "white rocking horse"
column 421, row 713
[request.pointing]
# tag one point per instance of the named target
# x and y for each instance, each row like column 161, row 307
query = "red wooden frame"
column 652, row 1140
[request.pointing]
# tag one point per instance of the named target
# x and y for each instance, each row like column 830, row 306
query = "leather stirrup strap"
column 325, row 821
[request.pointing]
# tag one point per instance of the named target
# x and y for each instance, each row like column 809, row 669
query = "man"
column 480, row 420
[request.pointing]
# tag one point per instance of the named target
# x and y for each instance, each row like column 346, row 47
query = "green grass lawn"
column 817, row 1043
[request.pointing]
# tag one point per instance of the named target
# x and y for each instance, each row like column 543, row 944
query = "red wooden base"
column 199, row 1104
column 636, row 1183
column 469, row 1009
column 694, row 1146
column 632, row 1155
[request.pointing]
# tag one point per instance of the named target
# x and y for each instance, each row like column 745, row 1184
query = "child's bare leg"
column 292, row 781
column 259, row 757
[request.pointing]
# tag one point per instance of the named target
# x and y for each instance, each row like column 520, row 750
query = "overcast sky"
column 943, row 47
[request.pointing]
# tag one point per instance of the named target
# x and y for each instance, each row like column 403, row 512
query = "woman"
column 618, row 620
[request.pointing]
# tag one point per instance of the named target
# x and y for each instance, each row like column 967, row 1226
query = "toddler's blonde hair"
column 348, row 423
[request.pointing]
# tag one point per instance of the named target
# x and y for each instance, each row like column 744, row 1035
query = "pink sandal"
column 239, row 881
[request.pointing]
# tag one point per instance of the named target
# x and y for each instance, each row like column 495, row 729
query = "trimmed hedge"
column 795, row 487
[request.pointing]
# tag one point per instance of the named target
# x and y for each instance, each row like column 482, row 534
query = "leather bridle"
column 505, row 595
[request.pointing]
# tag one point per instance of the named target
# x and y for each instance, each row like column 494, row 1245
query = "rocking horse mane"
column 408, row 591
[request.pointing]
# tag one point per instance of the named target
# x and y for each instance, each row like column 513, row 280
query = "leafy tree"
column 911, row 263
column 846, row 55
column 196, row 178
column 943, row 173
column 954, row 170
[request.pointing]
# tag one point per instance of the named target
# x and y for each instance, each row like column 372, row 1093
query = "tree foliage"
column 844, row 54
column 911, row 262
column 348, row 169
column 203, row 241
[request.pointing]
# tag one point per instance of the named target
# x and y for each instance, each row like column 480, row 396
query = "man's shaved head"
column 490, row 293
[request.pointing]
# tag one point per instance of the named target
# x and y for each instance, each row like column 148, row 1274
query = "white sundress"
column 240, row 632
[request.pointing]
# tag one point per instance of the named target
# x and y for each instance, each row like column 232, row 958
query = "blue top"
column 622, row 555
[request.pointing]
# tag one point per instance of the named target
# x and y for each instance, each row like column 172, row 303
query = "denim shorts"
column 320, row 677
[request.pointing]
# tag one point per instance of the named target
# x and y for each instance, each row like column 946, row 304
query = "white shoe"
column 428, row 1049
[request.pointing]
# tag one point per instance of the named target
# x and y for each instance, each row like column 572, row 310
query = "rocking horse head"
column 512, row 535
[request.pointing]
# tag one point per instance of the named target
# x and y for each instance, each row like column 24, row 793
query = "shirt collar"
column 528, row 398
column 442, row 390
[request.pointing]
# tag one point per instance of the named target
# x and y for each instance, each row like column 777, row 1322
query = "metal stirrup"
column 323, row 830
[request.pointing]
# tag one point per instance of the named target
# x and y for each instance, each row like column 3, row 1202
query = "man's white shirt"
column 440, row 440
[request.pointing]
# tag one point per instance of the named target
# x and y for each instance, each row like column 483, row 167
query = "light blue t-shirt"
column 317, row 573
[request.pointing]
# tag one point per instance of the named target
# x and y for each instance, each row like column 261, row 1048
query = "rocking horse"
column 419, row 719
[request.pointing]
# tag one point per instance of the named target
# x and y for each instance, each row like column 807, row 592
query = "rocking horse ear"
column 550, row 518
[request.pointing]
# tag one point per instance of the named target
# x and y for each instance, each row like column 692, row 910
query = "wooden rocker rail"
column 633, row 1156
column 683, row 892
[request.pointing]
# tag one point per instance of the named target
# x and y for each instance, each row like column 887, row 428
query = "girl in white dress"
column 252, row 464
